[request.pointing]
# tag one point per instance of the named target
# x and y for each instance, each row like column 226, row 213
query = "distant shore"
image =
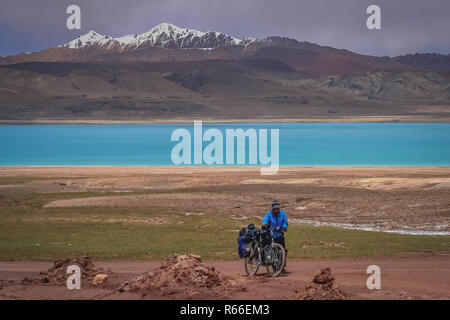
column 47, row 171
column 100, row 170
column 231, row 120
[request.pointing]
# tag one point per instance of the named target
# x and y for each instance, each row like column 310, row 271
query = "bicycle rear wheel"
column 279, row 256
column 252, row 263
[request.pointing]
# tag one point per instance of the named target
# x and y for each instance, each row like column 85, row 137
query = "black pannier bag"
column 263, row 237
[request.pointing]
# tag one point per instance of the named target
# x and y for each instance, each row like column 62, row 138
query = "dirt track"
column 417, row 277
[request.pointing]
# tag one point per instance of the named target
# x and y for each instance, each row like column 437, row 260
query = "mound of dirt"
column 58, row 275
column 185, row 272
column 322, row 287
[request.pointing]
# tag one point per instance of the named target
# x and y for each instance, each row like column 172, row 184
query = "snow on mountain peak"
column 164, row 35
column 170, row 36
column 89, row 39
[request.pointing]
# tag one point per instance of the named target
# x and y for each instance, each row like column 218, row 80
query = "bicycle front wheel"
column 279, row 256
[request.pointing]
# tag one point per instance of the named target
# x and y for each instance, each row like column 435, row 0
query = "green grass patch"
column 30, row 232
column 36, row 236
column 331, row 242
column 33, row 202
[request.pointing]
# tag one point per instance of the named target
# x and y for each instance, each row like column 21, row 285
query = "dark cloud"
column 408, row 26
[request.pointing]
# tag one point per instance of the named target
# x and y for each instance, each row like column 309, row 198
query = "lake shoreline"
column 368, row 119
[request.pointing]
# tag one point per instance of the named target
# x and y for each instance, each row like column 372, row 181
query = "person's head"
column 275, row 207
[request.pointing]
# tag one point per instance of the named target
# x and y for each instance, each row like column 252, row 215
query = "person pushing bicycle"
column 277, row 218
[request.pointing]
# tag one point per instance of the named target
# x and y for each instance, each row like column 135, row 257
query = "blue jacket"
column 278, row 221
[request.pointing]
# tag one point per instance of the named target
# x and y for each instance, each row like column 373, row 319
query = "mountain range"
column 171, row 71
column 164, row 35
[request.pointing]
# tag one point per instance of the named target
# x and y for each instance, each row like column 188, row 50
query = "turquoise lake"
column 301, row 144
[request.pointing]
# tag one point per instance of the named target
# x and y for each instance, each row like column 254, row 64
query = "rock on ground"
column 323, row 287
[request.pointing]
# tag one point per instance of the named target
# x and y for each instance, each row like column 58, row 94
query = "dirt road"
column 416, row 277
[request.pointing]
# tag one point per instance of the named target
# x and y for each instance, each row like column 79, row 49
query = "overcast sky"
column 408, row 26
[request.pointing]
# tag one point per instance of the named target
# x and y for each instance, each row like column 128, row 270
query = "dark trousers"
column 280, row 240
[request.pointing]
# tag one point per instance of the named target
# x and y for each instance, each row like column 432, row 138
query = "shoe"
column 284, row 270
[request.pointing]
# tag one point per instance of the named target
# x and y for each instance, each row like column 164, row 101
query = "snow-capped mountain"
column 168, row 43
column 90, row 39
column 164, row 35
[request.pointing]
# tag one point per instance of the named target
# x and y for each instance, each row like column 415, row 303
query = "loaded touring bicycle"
column 257, row 248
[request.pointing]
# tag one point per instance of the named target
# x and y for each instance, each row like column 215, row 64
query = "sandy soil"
column 409, row 199
column 418, row 277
